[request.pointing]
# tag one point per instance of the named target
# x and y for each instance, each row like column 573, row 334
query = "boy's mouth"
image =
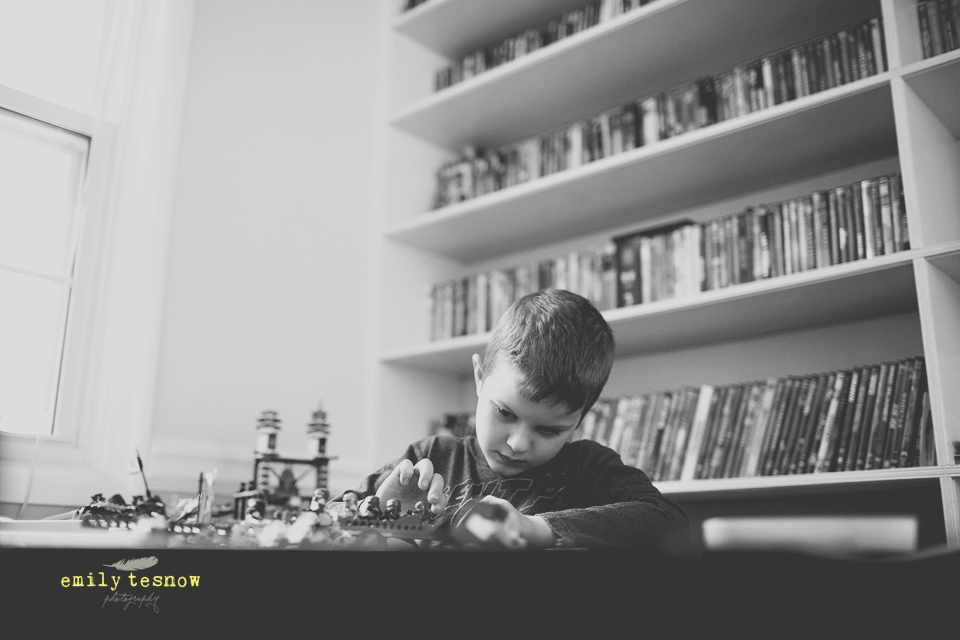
column 510, row 462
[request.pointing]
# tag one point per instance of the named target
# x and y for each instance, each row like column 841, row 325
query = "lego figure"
column 318, row 503
column 392, row 509
column 370, row 508
column 256, row 507
column 422, row 509
column 350, row 503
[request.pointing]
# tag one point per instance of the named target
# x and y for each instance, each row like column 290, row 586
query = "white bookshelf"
column 904, row 119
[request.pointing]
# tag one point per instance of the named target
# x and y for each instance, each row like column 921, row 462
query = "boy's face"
column 515, row 434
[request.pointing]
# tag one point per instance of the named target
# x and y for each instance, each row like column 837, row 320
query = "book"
column 712, row 431
column 911, row 415
column 833, row 210
column 898, row 403
column 770, row 435
column 925, row 454
column 681, row 442
column 879, row 44
column 713, row 455
column 936, row 34
column 654, row 431
column 761, row 427
column 706, row 401
column 631, row 436
column 834, row 430
column 788, row 431
column 810, row 414
column 770, row 457
column 877, row 373
column 747, row 418
column 926, row 38
column 898, row 210
column 881, row 421
column 850, row 435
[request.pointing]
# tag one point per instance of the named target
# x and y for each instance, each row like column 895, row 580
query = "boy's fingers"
column 404, row 471
column 435, row 494
column 424, row 469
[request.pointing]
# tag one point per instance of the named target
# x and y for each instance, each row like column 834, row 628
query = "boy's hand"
column 533, row 530
column 411, row 483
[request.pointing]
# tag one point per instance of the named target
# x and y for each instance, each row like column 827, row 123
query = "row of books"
column 832, row 226
column 851, row 222
column 939, row 26
column 473, row 304
column 823, row 63
column 532, row 39
column 867, row 417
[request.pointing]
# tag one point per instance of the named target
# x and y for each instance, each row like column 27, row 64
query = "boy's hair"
column 560, row 344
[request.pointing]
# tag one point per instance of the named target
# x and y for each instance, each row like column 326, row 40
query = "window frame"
column 109, row 363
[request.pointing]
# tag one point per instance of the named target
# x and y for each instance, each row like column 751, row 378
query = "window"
column 91, row 102
column 49, row 57
column 41, row 174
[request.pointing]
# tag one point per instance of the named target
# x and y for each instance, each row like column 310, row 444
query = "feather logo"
column 134, row 564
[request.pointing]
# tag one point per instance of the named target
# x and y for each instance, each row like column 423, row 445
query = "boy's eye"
column 503, row 413
column 550, row 432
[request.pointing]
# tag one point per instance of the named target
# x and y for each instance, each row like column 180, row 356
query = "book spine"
column 788, row 433
column 898, row 210
column 768, row 457
column 910, row 419
column 851, row 435
column 836, row 428
column 882, row 420
column 738, row 426
column 936, row 32
column 705, row 400
column 898, row 403
column 761, row 428
column 926, row 38
column 886, row 215
column 925, row 454
column 855, row 202
column 811, row 429
column 859, row 457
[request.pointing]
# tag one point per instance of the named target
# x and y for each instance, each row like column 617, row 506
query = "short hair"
column 560, row 344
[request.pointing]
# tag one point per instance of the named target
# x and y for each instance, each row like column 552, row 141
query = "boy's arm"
column 622, row 507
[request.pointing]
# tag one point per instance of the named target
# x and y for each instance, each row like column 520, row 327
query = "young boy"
column 545, row 366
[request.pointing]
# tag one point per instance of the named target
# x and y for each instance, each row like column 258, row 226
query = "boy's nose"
column 518, row 440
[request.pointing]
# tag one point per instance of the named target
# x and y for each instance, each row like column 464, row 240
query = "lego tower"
column 267, row 428
column 317, row 432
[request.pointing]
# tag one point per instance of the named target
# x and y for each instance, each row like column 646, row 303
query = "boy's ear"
column 477, row 373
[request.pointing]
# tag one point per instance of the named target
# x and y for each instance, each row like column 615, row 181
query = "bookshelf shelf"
column 937, row 82
column 840, row 293
column 698, row 167
column 456, row 27
column 807, row 483
column 442, row 356
column 947, row 261
column 533, row 92
column 854, row 314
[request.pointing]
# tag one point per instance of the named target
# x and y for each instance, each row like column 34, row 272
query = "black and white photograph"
column 600, row 306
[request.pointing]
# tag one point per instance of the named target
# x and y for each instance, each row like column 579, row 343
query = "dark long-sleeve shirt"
column 586, row 493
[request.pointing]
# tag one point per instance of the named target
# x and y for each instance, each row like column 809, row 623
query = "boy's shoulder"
column 589, row 451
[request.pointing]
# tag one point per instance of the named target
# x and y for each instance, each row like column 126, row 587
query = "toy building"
column 276, row 482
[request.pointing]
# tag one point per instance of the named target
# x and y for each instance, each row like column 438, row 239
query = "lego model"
column 285, row 492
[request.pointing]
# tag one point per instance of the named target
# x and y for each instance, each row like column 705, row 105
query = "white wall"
column 266, row 301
